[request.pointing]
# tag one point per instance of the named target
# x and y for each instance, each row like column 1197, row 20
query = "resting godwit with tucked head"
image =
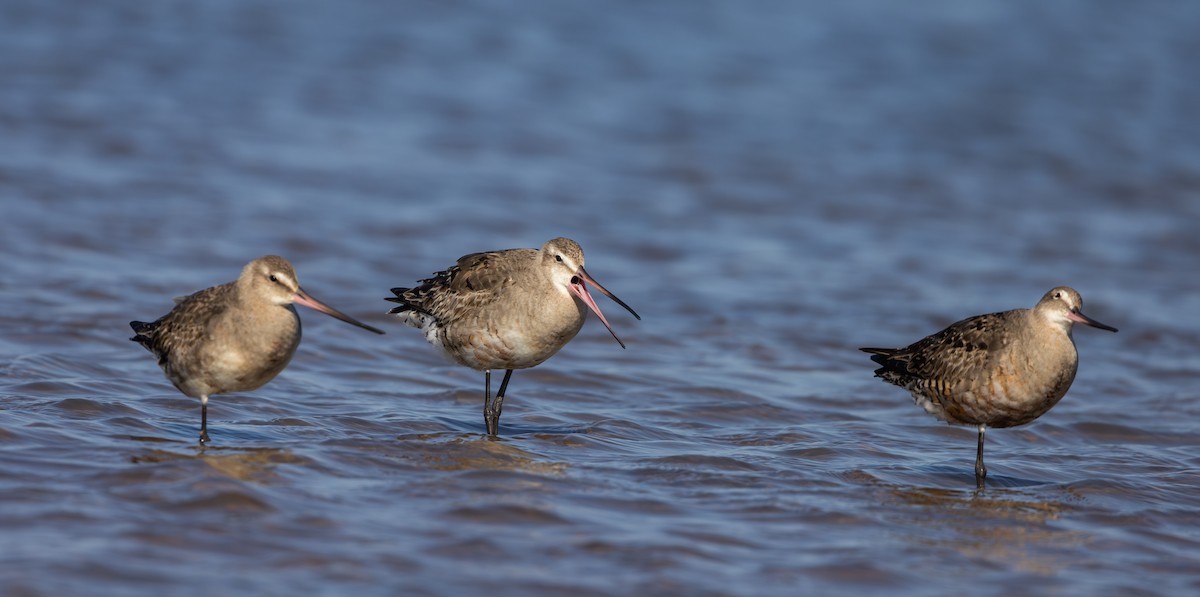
column 506, row 310
column 997, row 370
column 234, row 337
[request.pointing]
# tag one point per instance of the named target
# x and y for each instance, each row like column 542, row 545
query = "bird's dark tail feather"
column 882, row 351
column 880, row 355
column 142, row 332
column 405, row 306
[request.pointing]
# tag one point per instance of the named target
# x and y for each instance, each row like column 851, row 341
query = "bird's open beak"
column 579, row 288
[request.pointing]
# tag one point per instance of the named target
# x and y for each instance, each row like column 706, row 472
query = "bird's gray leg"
column 980, row 469
column 498, row 404
column 203, row 420
column 491, row 419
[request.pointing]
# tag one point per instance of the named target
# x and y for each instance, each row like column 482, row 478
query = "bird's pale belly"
column 1003, row 401
column 502, row 349
column 236, row 371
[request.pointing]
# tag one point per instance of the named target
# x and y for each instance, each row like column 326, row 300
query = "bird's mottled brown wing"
column 184, row 325
column 487, row 272
column 475, row 279
column 951, row 354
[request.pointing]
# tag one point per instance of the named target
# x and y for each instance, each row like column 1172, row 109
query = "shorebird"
column 510, row 309
column 234, row 337
column 996, row 370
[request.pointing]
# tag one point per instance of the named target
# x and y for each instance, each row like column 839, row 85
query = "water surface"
column 770, row 186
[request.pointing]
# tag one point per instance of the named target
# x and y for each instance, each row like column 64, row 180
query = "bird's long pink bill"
column 579, row 287
column 302, row 298
column 1078, row 317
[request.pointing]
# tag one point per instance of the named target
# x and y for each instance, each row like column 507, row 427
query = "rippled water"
column 771, row 185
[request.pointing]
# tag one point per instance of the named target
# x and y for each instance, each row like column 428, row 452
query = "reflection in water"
column 255, row 465
column 1008, row 527
column 457, row 452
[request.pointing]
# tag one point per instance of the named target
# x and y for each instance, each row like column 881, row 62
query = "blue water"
column 770, row 186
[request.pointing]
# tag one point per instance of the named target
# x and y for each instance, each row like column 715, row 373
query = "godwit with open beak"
column 506, row 310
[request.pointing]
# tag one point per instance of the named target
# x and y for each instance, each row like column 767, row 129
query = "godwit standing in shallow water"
column 997, row 370
column 506, row 310
column 234, row 337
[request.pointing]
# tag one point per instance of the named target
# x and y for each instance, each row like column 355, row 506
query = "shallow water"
column 769, row 186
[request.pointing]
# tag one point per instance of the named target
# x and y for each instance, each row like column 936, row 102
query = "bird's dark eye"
column 558, row 258
column 273, row 278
